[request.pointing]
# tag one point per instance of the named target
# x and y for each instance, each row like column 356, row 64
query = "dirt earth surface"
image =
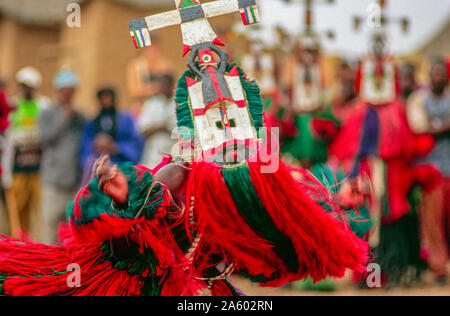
column 345, row 288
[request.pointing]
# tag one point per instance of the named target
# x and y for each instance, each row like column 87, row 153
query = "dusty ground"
column 346, row 288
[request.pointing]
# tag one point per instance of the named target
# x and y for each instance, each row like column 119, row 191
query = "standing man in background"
column 408, row 83
column 344, row 96
column 156, row 122
column 61, row 127
column 111, row 133
column 22, row 155
column 144, row 73
column 429, row 112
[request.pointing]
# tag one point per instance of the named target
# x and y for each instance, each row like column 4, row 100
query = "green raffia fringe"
column 183, row 108
column 359, row 220
column 2, row 280
column 253, row 212
column 327, row 285
column 152, row 287
column 135, row 264
column 184, row 113
column 398, row 253
column 254, row 100
column 305, row 146
column 327, row 177
column 97, row 202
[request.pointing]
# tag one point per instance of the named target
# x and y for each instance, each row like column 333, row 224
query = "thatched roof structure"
column 438, row 44
column 49, row 12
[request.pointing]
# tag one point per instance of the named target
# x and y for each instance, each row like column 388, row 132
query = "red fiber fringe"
column 395, row 139
column 38, row 270
column 223, row 231
column 34, row 269
column 325, row 247
column 220, row 288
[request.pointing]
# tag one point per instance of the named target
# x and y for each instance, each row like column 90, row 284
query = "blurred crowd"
column 49, row 148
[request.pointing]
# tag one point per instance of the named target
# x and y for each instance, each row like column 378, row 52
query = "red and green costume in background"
column 262, row 66
column 307, row 125
column 305, row 137
column 268, row 217
column 376, row 140
column 243, row 209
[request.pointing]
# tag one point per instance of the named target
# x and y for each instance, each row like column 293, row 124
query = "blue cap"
column 66, row 79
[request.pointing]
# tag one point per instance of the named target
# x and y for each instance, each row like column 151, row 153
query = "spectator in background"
column 61, row 127
column 111, row 133
column 429, row 112
column 344, row 92
column 156, row 122
column 4, row 124
column 408, row 83
column 22, row 155
column 144, row 73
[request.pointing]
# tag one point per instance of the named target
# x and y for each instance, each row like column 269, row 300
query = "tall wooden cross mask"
column 193, row 18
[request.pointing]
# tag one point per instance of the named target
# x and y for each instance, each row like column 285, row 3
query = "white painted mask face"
column 378, row 90
column 224, row 125
column 307, row 94
column 224, row 132
column 223, row 128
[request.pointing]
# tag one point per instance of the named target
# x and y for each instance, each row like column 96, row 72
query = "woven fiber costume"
column 243, row 209
column 261, row 197
column 261, row 64
column 307, row 124
column 377, row 140
column 115, row 251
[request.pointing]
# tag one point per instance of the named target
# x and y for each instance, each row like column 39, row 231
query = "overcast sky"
column 426, row 17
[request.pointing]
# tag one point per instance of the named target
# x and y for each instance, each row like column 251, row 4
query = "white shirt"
column 158, row 112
